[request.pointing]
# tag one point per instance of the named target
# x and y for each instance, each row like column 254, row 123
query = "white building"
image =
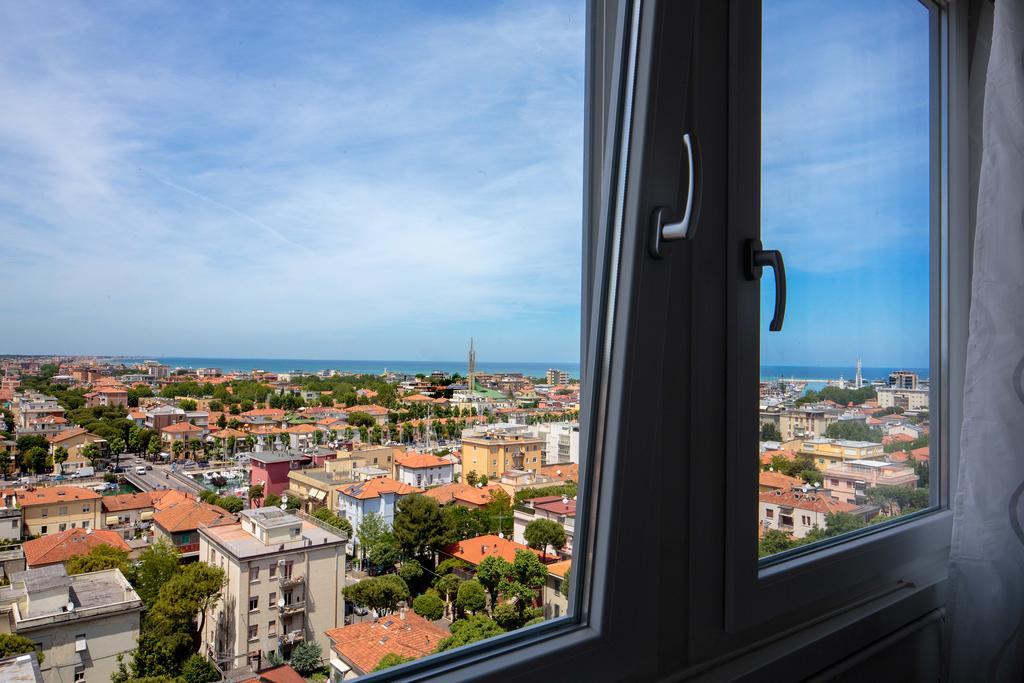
column 81, row 623
column 562, row 441
column 284, row 580
column 377, row 496
column 423, row 469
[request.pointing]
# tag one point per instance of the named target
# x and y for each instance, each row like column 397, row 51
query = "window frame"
column 642, row 483
column 792, row 586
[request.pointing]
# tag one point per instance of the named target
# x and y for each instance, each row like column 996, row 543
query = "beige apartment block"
column 284, row 580
column 80, row 623
column 493, row 453
column 52, row 509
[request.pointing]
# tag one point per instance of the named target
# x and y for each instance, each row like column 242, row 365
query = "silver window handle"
column 663, row 228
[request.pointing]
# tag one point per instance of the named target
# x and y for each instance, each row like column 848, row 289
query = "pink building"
column 849, row 480
column 271, row 469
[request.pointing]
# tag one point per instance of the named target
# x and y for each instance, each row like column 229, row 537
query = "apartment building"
column 805, row 422
column 378, row 496
column 271, row 468
column 33, row 406
column 177, row 520
column 491, row 453
column 908, row 399
column 130, row 513
column 556, row 602
column 74, row 440
column 80, row 623
column 107, row 396
column 825, row 452
column 795, row 512
column 849, row 481
column 60, row 547
column 284, row 581
column 423, row 469
column 53, row 509
column 380, row 457
column 903, row 379
column 554, row 376
column 561, row 442
column 555, row 508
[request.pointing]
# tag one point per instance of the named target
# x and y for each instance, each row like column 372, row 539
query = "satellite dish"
column 280, row 602
column 501, row 534
column 71, row 606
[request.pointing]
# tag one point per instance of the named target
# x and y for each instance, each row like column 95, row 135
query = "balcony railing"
column 289, row 581
column 293, row 637
column 188, row 548
column 294, row 607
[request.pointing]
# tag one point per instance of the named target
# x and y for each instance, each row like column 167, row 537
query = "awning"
column 319, row 495
column 112, row 520
column 146, row 515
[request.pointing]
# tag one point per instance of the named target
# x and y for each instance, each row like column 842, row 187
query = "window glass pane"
column 320, row 262
column 846, row 198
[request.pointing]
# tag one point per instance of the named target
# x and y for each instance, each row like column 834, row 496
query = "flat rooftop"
column 241, row 544
column 271, row 457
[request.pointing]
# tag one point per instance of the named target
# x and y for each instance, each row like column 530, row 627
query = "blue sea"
column 367, row 367
column 818, row 374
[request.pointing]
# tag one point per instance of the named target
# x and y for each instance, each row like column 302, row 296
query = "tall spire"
column 472, row 366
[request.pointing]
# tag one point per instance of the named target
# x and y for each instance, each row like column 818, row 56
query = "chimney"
column 401, row 614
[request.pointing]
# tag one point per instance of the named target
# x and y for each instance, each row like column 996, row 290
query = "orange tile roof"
column 419, row 460
column 55, row 494
column 416, row 398
column 67, row 544
column 462, row 492
column 189, row 515
column 569, row 471
column 227, row 433
column 279, row 674
column 778, row 480
column 921, row 454
column 560, row 568
column 474, row 550
column 181, row 428
column 766, row 457
column 302, row 429
column 168, row 497
column 363, row 645
column 373, row 488
column 264, row 412
column 130, row 501
column 815, row 502
column 369, row 408
column 68, row 434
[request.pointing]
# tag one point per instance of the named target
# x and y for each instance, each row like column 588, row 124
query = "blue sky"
column 387, row 179
column 324, row 180
column 845, row 180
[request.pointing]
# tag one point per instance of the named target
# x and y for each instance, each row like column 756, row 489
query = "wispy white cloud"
column 321, row 187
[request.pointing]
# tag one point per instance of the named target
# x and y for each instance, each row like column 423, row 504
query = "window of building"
column 254, row 573
column 85, row 524
column 254, row 603
column 253, row 631
column 273, row 570
column 272, row 627
column 46, row 512
column 79, row 674
column 63, row 510
column 42, row 530
column 62, row 526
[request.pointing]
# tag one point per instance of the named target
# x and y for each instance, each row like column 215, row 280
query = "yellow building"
column 492, row 453
column 825, row 452
column 53, row 509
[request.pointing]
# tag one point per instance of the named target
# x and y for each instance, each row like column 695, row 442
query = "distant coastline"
column 369, row 367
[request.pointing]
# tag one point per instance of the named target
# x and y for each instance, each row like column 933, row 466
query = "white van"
column 140, row 469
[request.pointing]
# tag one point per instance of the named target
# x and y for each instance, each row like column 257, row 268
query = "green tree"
column 471, row 596
column 469, row 630
column 541, row 533
column 429, row 605
column 5, row 463
column 491, row 571
column 231, row 504
column 370, row 531
column 29, row 441
column 854, row 430
column 35, row 460
column 411, row 572
column 391, row 659
column 565, row 582
column 326, row 516
column 198, row 669
column 13, row 644
column 775, row 541
column 157, row 564
column 380, row 593
column 769, row 432
column 99, row 558
column 177, row 448
column 272, row 501
column 60, row 456
column 306, row 658
column 255, row 495
column 117, row 446
column 385, row 552
column 835, row 523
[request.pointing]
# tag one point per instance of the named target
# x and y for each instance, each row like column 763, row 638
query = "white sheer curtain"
column 986, row 605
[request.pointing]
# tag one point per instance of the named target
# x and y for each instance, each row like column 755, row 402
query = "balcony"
column 292, row 637
column 295, row 607
column 289, row 581
column 186, row 548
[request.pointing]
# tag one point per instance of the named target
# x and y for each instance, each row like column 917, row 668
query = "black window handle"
column 756, row 259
